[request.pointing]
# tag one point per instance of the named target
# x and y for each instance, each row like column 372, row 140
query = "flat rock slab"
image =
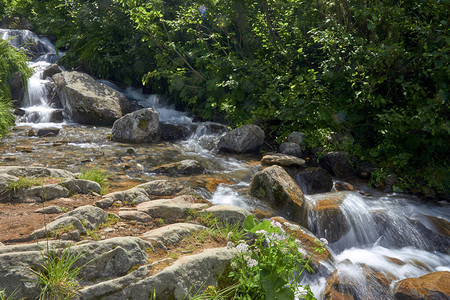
column 228, row 214
column 282, row 160
column 50, row 210
column 135, row 215
column 170, row 209
column 171, row 234
column 92, row 216
column 162, row 188
column 81, row 186
column 58, row 224
column 184, row 167
column 134, row 195
column 188, row 276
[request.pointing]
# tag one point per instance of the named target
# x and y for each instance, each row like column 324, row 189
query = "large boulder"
column 51, row 70
column 141, row 126
column 275, row 186
column 245, row 139
column 87, row 101
column 337, row 164
column 293, row 149
column 312, row 180
column 435, row 285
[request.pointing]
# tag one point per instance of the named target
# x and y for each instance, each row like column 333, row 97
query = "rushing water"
column 392, row 236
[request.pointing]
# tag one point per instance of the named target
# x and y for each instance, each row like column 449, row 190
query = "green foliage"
column 96, row 175
column 267, row 268
column 11, row 62
column 24, row 183
column 57, row 276
column 3, row 295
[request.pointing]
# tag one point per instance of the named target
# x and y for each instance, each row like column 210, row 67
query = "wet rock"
column 172, row 132
column 81, row 186
column 90, row 215
column 172, row 234
column 186, row 277
column 27, row 40
column 135, row 215
column 331, row 222
column 60, row 223
column 53, row 97
column 282, row 160
column 87, row 101
column 50, row 210
column 170, row 210
column 312, row 180
column 293, row 149
column 441, row 225
column 20, row 112
column 51, row 70
column 17, row 88
column 343, row 186
column 296, row 137
column 184, row 167
column 228, row 214
column 141, row 126
column 337, row 164
column 435, row 285
column 365, row 169
column 245, row 139
column 162, row 188
column 52, row 131
column 26, row 149
column 275, row 186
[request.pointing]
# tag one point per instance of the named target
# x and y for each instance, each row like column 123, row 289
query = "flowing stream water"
column 388, row 237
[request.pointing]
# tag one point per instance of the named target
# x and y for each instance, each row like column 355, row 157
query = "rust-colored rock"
column 434, row 285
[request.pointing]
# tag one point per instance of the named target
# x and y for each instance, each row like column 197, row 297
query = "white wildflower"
column 277, row 224
column 261, row 232
column 242, row 247
column 234, row 265
column 302, row 252
column 324, row 241
column 252, row 263
column 230, row 245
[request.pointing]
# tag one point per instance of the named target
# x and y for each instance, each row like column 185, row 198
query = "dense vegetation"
column 374, row 72
column 11, row 62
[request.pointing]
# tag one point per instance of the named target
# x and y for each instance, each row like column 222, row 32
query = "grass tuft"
column 97, row 175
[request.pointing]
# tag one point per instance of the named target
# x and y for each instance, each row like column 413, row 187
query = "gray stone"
column 365, row 169
column 51, row 70
column 141, row 126
column 337, row 164
column 92, row 216
column 35, row 172
column 108, row 287
column 293, row 149
column 296, row 138
column 75, row 235
column 185, row 278
column 50, row 210
column 275, row 186
column 245, row 139
column 17, row 87
column 312, row 180
column 135, row 215
column 228, row 214
column 104, row 203
column 81, row 186
column 171, row 234
column 173, row 132
column 5, row 181
column 133, row 196
column 42, row 193
column 87, row 101
column 51, row 131
column 170, row 210
column 282, row 160
column 58, row 224
column 184, row 167
column 162, row 188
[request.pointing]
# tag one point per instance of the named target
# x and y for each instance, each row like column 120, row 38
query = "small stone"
column 31, row 132
column 343, row 186
column 118, row 203
column 108, row 229
column 48, row 132
column 65, row 236
column 131, row 151
column 10, row 158
column 104, row 203
column 282, row 160
column 26, row 149
column 50, row 210
column 75, row 235
column 103, row 237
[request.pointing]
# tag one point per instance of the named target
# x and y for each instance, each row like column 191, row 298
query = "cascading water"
column 37, row 111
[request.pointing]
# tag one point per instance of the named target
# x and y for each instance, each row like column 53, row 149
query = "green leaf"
column 249, row 222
